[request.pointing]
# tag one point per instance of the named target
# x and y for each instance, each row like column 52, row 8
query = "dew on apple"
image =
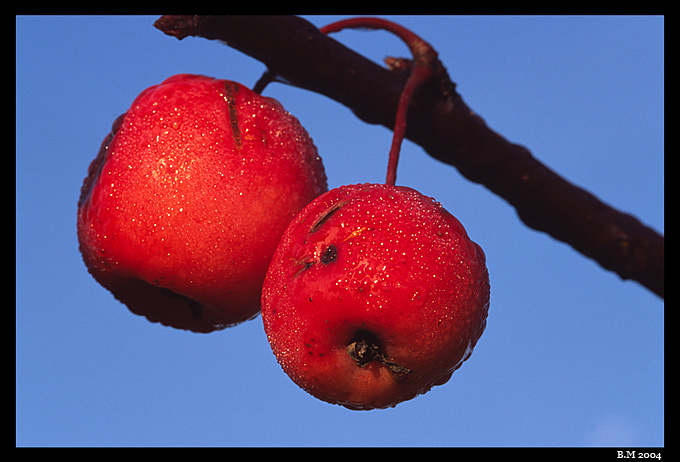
column 159, row 156
column 380, row 279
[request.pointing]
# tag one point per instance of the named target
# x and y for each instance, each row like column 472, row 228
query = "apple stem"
column 424, row 58
column 267, row 77
column 263, row 81
column 418, row 75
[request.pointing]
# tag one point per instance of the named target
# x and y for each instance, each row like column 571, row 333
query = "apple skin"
column 380, row 261
column 183, row 207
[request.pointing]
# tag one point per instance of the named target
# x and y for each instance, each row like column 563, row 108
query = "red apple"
column 375, row 294
column 185, row 203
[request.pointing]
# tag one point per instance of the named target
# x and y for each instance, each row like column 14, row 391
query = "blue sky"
column 572, row 355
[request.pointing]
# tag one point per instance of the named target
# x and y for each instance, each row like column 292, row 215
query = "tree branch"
column 448, row 130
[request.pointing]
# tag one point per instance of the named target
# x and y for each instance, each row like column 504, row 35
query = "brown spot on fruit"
column 366, row 347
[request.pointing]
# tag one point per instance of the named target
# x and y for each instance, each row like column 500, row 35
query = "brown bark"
column 448, row 130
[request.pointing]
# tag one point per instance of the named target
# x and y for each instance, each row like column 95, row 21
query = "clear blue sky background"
column 572, row 355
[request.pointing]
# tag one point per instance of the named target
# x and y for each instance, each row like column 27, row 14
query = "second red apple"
column 374, row 295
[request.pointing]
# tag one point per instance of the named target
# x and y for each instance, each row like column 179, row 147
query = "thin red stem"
column 424, row 57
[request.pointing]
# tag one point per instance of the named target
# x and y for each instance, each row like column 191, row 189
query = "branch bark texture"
column 448, row 130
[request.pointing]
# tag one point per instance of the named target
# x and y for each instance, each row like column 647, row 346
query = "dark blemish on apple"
column 324, row 218
column 309, row 345
column 233, row 112
column 330, row 255
column 305, row 266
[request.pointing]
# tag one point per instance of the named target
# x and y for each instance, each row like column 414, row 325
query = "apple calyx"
column 365, row 347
